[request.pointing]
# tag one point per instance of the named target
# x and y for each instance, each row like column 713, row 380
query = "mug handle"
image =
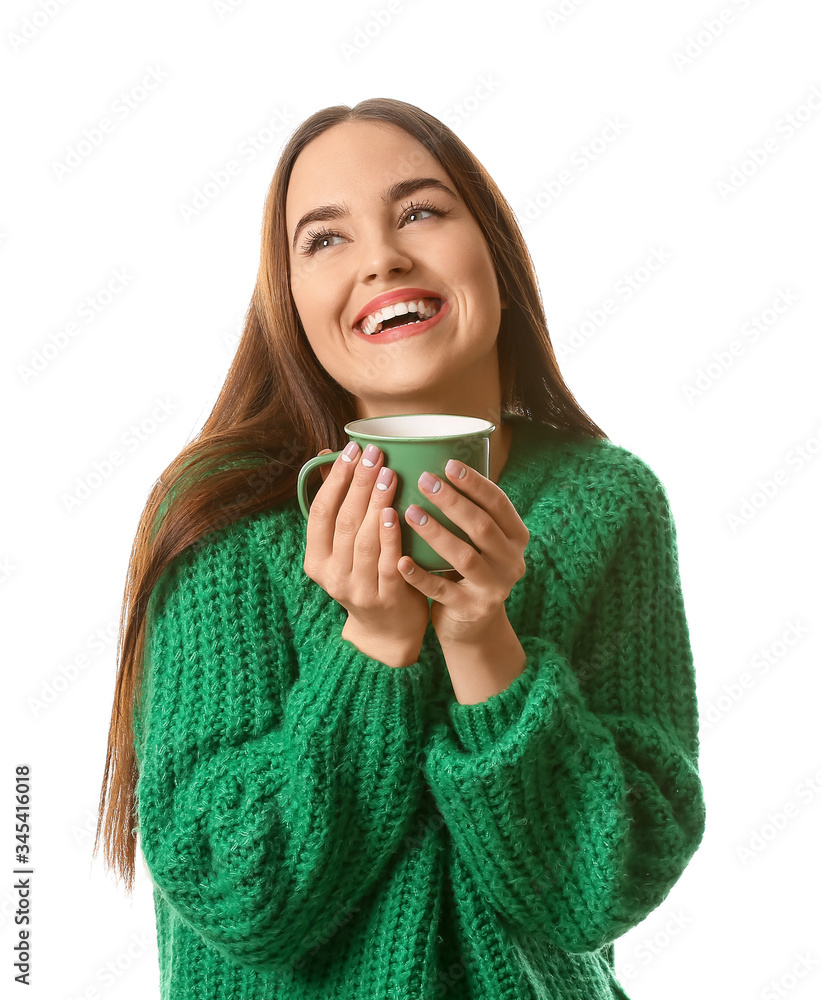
column 302, row 479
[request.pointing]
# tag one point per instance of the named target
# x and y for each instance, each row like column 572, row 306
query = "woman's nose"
column 381, row 253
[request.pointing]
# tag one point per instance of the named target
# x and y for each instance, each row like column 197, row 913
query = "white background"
column 530, row 91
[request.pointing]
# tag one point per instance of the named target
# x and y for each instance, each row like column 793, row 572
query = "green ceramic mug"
column 413, row 443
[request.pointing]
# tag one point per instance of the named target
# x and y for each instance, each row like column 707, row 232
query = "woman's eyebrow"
column 401, row 189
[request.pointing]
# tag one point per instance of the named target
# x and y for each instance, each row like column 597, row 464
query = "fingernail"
column 455, row 469
column 430, row 483
column 388, row 517
column 371, row 456
column 350, row 452
column 416, row 514
column 384, row 479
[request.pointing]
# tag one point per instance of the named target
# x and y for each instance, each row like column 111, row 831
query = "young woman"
column 352, row 777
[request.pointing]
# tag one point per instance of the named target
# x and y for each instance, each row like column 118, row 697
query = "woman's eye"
column 316, row 239
column 418, row 211
column 329, row 236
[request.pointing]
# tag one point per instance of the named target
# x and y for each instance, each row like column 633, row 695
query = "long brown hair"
column 278, row 407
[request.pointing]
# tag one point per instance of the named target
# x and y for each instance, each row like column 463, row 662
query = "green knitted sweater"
column 318, row 824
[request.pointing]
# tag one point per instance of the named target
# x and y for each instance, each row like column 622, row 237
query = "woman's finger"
column 357, row 531
column 391, row 550
column 369, row 559
column 367, row 549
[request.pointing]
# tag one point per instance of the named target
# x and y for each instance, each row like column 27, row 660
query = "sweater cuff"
column 342, row 675
column 482, row 724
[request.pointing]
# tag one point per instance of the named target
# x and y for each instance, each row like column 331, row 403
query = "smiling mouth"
column 423, row 310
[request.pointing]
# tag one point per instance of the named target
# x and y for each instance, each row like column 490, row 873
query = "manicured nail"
column 350, row 452
column 384, row 479
column 371, row 456
column 416, row 514
column 388, row 517
column 429, row 483
column 455, row 469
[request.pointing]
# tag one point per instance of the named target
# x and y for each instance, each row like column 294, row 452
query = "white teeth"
column 425, row 308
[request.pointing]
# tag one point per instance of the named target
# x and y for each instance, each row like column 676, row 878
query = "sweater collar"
column 519, row 449
column 528, row 458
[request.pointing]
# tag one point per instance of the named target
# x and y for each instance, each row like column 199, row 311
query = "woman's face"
column 378, row 243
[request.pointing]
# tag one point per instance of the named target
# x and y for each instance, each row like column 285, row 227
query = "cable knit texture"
column 318, row 824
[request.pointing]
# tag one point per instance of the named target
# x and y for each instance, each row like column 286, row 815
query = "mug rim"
column 481, row 432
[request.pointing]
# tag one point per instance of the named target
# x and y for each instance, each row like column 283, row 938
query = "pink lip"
column 410, row 330
column 388, row 298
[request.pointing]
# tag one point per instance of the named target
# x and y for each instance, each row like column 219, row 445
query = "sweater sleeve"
column 273, row 787
column 573, row 796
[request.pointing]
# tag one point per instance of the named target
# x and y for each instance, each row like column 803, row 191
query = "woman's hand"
column 353, row 556
column 464, row 610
